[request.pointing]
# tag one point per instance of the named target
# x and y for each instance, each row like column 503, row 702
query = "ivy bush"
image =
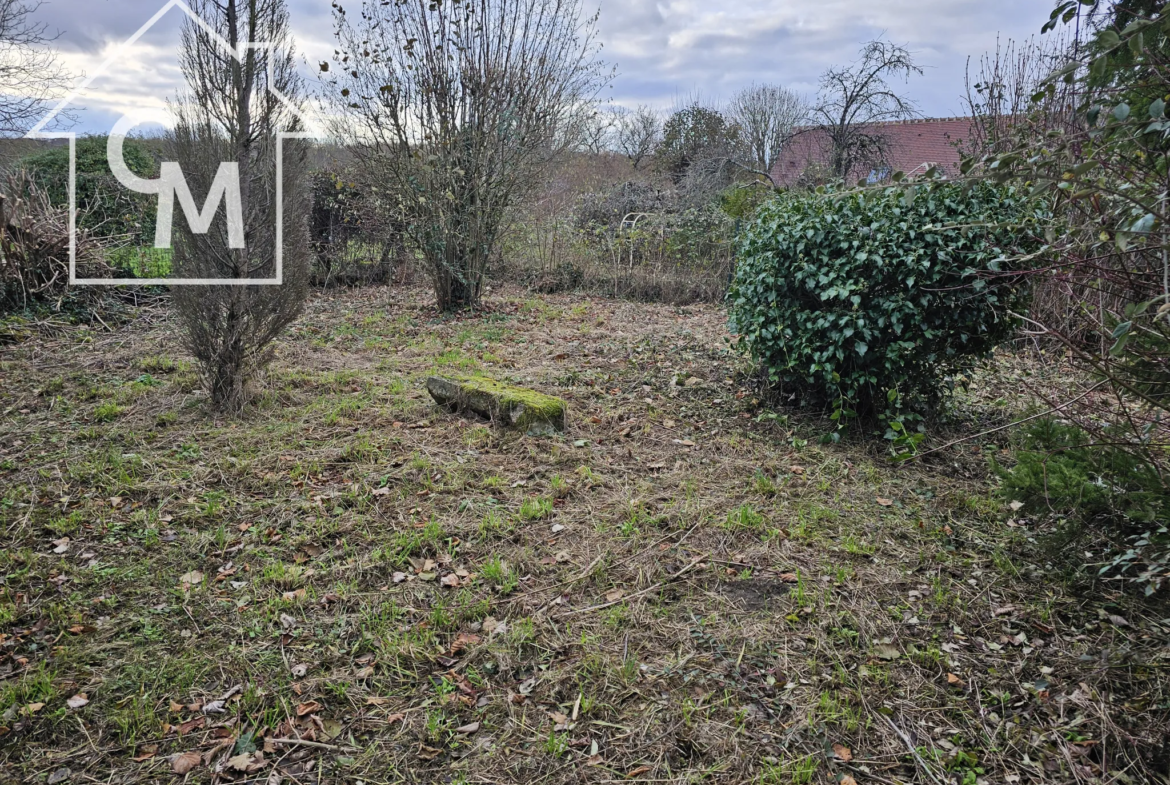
column 105, row 208
column 869, row 301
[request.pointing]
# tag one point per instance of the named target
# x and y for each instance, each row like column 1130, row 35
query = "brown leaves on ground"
column 843, row 753
column 185, row 762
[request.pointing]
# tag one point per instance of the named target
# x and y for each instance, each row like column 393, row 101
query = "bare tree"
column 596, row 129
column 233, row 114
column 999, row 95
column 854, row 98
column 453, row 110
column 30, row 71
column 767, row 117
column 637, row 133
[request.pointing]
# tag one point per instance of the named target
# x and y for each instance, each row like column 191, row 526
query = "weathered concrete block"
column 516, row 407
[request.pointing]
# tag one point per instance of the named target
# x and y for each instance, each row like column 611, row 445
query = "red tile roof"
column 914, row 146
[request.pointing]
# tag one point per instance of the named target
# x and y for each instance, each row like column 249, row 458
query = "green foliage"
column 1062, row 469
column 741, row 201
column 691, row 134
column 866, row 301
column 1104, row 169
column 105, row 207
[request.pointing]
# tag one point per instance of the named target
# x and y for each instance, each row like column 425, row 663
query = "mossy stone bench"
column 536, row 413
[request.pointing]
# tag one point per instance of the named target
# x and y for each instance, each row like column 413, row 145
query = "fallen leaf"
column 450, row 580
column 464, row 639
column 468, row 729
column 887, row 651
column 1119, row 621
column 796, row 469
column 954, row 680
column 299, row 670
column 398, row 577
column 32, row 709
column 77, row 701
column 60, row 775
column 1016, row 506
column 638, row 772
column 884, row 502
column 428, row 753
column 191, row 578
column 181, row 764
column 842, row 752
column 789, row 577
column 146, row 752
column 308, row 708
column 240, row 762
column 176, row 707
column 613, row 595
column 192, row 724
column 846, row 779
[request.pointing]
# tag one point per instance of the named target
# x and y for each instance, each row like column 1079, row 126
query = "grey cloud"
column 664, row 49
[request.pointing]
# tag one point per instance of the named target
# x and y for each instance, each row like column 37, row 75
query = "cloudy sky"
column 663, row 49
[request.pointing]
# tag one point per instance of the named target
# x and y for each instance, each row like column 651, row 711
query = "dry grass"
column 683, row 588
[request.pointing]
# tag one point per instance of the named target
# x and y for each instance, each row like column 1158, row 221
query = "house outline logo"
column 38, row 132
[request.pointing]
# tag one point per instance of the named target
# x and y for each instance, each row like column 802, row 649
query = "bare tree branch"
column 767, row 117
column 853, row 99
column 31, row 74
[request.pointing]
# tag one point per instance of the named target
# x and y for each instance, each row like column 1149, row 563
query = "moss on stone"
column 518, row 407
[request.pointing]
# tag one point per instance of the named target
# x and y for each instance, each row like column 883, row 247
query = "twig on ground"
column 315, row 744
column 627, row 597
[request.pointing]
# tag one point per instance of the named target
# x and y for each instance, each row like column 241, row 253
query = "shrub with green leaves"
column 868, row 301
column 1111, row 488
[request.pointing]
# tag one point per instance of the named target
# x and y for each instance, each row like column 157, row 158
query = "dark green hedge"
column 866, row 301
column 105, row 207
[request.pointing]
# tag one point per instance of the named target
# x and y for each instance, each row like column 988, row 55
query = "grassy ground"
column 349, row 584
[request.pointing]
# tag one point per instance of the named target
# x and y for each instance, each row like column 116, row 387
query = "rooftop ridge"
column 908, row 121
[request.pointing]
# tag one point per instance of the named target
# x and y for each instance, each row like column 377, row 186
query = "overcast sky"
column 663, row 49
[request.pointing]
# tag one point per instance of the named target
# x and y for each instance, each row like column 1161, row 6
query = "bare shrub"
column 454, row 110
column 999, row 94
column 34, row 245
column 233, row 115
column 636, row 134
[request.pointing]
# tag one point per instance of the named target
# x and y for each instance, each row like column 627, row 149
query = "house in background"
column 912, row 146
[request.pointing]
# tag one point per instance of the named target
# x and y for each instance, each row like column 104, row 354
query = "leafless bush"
column 34, row 245
column 636, row 134
column 999, row 94
column 999, row 97
column 453, row 111
column 233, row 114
